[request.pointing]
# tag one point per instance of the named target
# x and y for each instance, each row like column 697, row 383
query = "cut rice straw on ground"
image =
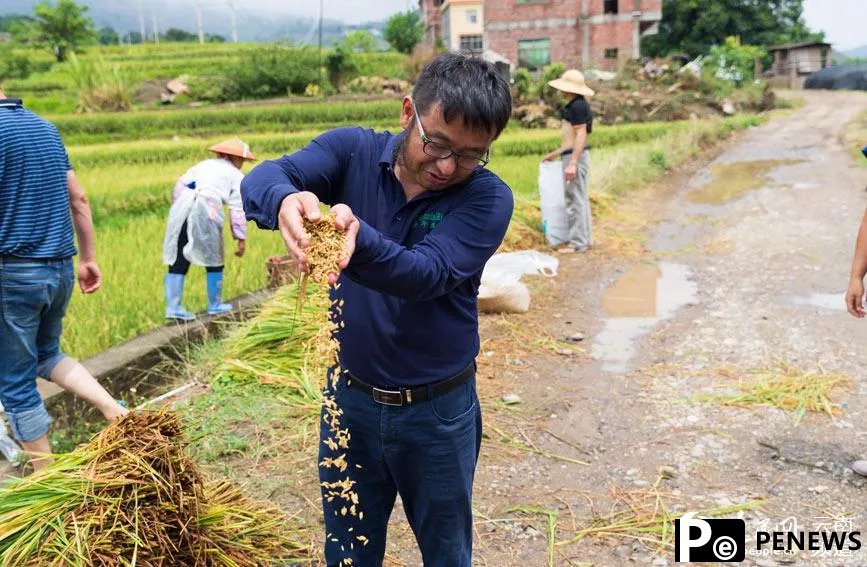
column 786, row 387
column 642, row 516
column 132, row 496
column 550, row 527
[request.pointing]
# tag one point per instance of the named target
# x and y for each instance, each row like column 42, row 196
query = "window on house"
column 610, row 7
column 472, row 16
column 611, row 53
column 533, row 54
column 471, row 44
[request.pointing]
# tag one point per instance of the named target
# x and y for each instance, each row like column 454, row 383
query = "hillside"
column 257, row 22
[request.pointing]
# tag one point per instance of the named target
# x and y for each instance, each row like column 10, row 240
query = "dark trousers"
column 182, row 265
column 427, row 453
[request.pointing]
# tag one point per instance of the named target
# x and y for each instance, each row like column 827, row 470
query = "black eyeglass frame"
column 447, row 152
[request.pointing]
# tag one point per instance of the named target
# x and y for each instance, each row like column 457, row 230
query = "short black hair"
column 464, row 87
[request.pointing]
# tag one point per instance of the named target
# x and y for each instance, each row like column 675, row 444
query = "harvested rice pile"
column 132, row 496
column 325, row 249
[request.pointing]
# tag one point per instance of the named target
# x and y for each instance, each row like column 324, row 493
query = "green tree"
column 403, row 31
column 693, row 26
column 340, row 65
column 106, row 36
column 360, row 40
column 22, row 28
column 734, row 61
column 63, row 27
column 178, row 35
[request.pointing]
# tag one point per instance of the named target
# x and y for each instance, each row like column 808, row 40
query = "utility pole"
column 156, row 28
column 234, row 22
column 199, row 18
column 141, row 26
column 321, row 88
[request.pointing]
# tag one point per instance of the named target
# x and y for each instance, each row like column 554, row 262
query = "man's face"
column 440, row 173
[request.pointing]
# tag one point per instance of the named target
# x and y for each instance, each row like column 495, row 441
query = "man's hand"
column 293, row 210
column 345, row 221
column 551, row 156
column 89, row 276
column 854, row 298
column 242, row 247
column 570, row 172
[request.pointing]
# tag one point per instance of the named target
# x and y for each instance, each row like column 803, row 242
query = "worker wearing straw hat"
column 577, row 124
column 194, row 232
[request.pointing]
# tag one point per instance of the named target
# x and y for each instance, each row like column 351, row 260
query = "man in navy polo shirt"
column 422, row 215
column 38, row 191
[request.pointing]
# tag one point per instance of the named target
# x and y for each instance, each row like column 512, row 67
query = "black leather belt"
column 407, row 396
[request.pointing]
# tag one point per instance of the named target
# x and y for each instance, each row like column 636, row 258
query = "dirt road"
column 745, row 268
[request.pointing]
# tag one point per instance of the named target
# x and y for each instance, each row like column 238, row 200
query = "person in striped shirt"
column 41, row 205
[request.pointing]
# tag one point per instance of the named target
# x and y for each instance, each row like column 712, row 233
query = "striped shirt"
column 35, row 219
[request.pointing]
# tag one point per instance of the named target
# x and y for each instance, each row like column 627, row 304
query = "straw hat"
column 233, row 147
column 572, row 81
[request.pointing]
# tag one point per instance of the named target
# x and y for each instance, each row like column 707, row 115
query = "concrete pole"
column 156, row 29
column 585, row 34
column 234, row 22
column 141, row 26
column 199, row 19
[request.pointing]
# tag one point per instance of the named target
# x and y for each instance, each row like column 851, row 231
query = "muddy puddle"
column 731, row 180
column 638, row 301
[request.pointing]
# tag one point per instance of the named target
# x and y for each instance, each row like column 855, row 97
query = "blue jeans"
column 427, row 453
column 33, row 300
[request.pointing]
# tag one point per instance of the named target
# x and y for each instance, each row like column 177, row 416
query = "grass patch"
column 786, row 387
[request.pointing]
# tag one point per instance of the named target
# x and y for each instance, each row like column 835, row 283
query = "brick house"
column 580, row 33
column 430, row 15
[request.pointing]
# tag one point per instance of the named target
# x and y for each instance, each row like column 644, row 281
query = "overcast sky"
column 843, row 21
column 350, row 11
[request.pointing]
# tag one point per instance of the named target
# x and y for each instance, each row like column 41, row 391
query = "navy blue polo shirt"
column 35, row 219
column 410, row 308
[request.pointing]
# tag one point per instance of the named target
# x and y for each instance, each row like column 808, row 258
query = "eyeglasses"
column 439, row 151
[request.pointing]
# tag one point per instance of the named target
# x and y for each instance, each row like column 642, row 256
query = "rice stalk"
column 788, row 388
column 643, row 516
column 132, row 496
column 551, row 525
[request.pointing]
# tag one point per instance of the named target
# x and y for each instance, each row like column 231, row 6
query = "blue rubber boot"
column 215, row 294
column 174, row 284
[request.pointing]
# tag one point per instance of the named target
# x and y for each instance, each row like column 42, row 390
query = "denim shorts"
column 33, row 300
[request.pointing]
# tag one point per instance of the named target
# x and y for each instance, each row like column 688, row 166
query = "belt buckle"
column 386, row 397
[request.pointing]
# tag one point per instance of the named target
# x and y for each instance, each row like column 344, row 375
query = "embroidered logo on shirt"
column 428, row 221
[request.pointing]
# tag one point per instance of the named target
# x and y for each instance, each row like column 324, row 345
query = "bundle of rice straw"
column 132, row 496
